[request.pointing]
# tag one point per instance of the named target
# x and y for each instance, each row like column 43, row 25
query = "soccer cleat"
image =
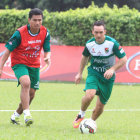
column 77, row 121
column 15, row 121
column 28, row 120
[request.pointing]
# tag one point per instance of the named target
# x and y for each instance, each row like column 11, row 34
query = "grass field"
column 57, row 125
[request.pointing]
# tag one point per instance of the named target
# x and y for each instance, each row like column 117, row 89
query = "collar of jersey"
column 28, row 26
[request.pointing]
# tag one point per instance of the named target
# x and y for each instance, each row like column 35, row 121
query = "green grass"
column 58, row 125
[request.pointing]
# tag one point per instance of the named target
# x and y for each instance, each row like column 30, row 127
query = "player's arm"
column 47, row 57
column 84, row 61
column 120, row 63
column 3, row 60
column 12, row 43
column 46, row 48
column 119, row 52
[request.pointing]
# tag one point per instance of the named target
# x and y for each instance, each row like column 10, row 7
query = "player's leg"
column 32, row 94
column 98, row 109
column 90, row 88
column 103, row 93
column 34, row 77
column 25, row 98
column 28, row 119
column 25, row 88
column 86, row 100
column 21, row 72
column 19, row 110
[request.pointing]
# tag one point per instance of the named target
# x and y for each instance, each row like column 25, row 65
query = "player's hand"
column 78, row 78
column 109, row 73
column 47, row 60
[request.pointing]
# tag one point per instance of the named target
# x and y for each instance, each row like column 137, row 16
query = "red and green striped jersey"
column 26, row 47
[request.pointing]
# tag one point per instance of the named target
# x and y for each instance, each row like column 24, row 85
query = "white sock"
column 93, row 121
column 15, row 114
column 26, row 113
column 82, row 113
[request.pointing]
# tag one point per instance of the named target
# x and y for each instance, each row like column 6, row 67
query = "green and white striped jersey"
column 102, row 55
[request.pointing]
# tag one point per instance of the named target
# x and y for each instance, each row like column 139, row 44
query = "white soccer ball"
column 88, row 126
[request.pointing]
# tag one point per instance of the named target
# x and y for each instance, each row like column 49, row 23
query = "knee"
column 25, row 81
column 90, row 96
column 26, row 85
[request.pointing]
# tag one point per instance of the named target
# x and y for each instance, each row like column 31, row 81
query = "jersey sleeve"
column 14, row 41
column 46, row 46
column 86, row 52
column 118, row 50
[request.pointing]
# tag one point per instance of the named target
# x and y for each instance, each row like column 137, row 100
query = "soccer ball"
column 87, row 126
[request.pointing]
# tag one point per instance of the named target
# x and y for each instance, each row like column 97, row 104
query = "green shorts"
column 34, row 74
column 102, row 87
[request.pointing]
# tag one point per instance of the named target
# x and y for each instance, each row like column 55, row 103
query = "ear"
column 92, row 31
column 105, row 31
column 29, row 20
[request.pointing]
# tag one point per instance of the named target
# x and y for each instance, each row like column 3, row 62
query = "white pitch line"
column 107, row 110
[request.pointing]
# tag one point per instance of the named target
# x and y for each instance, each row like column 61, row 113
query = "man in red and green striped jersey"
column 25, row 47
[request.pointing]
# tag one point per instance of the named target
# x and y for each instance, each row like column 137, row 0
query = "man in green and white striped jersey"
column 102, row 51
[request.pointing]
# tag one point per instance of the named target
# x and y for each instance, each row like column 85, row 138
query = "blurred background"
column 70, row 24
column 63, row 5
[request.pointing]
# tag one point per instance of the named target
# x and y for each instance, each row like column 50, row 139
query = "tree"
column 119, row 3
column 6, row 4
column 23, row 4
column 62, row 5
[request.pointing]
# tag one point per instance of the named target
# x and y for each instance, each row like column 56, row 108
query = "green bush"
column 73, row 27
column 10, row 20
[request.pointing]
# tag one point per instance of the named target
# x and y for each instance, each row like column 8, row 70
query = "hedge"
column 10, row 20
column 73, row 27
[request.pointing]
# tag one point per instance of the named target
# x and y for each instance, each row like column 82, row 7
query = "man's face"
column 99, row 33
column 35, row 22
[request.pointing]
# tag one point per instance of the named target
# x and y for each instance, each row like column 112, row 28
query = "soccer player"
column 25, row 48
column 102, row 51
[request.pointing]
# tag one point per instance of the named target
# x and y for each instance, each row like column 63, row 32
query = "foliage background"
column 63, row 5
column 73, row 27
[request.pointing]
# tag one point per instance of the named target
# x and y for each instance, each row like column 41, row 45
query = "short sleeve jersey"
column 15, row 41
column 26, row 47
column 102, row 55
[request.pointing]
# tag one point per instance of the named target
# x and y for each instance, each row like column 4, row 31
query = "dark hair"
column 99, row 23
column 35, row 11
